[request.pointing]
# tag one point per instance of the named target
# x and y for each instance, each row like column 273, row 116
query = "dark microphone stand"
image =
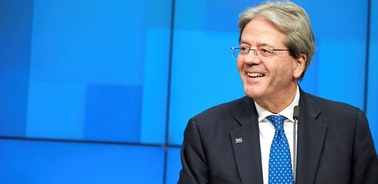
column 295, row 117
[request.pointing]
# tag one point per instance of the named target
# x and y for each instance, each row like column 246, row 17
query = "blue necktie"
column 280, row 170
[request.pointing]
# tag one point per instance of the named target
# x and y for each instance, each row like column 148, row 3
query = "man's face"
column 266, row 77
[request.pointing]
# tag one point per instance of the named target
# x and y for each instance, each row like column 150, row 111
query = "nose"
column 254, row 51
column 252, row 58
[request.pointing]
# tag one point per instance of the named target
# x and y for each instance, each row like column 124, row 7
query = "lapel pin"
column 238, row 140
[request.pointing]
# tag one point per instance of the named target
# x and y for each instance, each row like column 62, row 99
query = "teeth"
column 255, row 74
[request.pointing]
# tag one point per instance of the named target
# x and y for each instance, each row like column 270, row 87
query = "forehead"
column 261, row 31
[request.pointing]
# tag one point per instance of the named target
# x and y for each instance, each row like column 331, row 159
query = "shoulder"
column 221, row 110
column 332, row 111
column 220, row 114
column 331, row 105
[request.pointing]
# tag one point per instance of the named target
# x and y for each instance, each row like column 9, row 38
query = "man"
column 237, row 142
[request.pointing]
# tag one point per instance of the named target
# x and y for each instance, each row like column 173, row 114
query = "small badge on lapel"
column 238, row 140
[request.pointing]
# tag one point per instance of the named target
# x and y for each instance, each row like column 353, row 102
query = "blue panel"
column 15, row 27
column 218, row 15
column 159, row 15
column 209, row 15
column 61, row 163
column 97, row 43
column 349, row 15
column 340, row 76
column 173, row 165
column 189, row 15
column 89, row 41
column 372, row 93
column 113, row 113
column 156, row 71
column 155, row 87
column 56, row 110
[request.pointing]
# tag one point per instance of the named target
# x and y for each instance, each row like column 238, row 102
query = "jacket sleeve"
column 193, row 159
column 365, row 162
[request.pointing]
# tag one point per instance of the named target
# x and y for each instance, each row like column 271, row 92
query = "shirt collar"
column 287, row 112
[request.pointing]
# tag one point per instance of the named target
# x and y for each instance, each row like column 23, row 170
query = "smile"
column 255, row 74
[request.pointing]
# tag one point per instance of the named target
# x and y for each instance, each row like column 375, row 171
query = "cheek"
column 239, row 64
column 283, row 67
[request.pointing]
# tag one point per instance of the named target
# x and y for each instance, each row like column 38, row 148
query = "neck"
column 279, row 102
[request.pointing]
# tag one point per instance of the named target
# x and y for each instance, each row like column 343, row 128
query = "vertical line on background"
column 166, row 144
column 367, row 55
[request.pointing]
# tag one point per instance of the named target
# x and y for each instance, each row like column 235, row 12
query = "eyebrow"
column 265, row 44
column 258, row 45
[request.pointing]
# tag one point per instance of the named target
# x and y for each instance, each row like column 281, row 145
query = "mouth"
column 254, row 74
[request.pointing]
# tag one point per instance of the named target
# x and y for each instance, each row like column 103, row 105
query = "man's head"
column 291, row 19
column 277, row 45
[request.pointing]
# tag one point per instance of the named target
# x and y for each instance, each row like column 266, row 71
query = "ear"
column 299, row 65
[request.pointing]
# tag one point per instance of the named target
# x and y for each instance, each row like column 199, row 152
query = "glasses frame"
column 256, row 51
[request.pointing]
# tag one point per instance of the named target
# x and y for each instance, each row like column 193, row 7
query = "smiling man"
column 277, row 133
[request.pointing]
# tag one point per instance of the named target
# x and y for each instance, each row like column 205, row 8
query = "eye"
column 244, row 49
column 265, row 51
column 262, row 50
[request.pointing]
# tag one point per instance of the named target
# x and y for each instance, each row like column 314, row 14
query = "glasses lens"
column 235, row 52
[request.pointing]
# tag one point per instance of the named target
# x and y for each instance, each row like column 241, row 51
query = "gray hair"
column 290, row 18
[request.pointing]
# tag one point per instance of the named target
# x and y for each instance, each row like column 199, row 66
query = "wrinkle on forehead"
column 261, row 32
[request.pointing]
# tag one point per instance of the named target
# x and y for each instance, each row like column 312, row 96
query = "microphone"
column 295, row 117
column 296, row 112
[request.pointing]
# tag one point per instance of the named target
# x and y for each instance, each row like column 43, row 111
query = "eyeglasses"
column 264, row 51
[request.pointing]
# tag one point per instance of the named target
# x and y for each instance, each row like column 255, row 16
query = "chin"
column 252, row 92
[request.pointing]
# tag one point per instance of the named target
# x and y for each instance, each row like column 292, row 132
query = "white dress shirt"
column 267, row 131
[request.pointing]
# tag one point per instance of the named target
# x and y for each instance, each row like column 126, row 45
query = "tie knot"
column 277, row 121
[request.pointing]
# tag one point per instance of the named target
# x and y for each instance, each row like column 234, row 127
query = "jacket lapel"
column 246, row 143
column 311, row 136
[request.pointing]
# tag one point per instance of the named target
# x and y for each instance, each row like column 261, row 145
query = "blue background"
column 97, row 91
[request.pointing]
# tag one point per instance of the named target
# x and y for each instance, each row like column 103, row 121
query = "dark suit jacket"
column 334, row 145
